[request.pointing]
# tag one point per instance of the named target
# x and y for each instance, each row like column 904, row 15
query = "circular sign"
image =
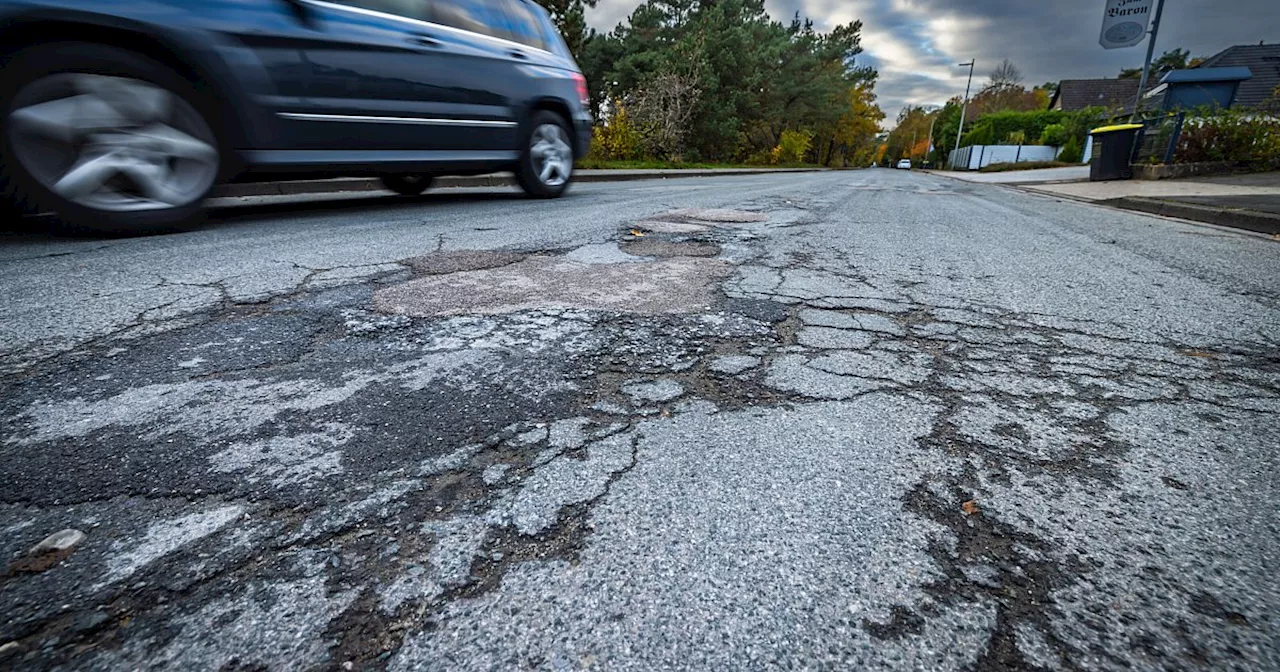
column 1125, row 32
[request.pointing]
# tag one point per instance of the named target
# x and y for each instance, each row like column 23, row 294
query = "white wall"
column 974, row 157
column 980, row 156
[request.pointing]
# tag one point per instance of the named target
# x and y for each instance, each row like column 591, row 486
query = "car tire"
column 408, row 184
column 109, row 140
column 546, row 162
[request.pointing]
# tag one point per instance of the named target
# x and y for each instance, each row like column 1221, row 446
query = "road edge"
column 360, row 184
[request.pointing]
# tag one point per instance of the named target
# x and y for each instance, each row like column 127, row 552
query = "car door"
column 380, row 76
column 501, row 60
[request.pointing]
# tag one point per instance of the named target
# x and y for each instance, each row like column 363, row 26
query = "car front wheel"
column 546, row 166
column 111, row 141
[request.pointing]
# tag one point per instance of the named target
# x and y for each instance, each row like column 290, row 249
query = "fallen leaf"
column 637, row 233
column 49, row 552
column 970, row 507
column 1200, row 353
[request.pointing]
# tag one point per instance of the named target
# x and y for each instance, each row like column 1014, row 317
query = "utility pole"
column 911, row 153
column 929, row 147
column 1151, row 47
column 965, row 105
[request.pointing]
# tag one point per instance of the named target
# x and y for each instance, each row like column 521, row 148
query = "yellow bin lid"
column 1117, row 127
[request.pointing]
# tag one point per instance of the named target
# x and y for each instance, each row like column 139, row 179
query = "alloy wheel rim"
column 552, row 155
column 112, row 143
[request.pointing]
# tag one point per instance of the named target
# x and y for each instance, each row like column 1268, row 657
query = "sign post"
column 1124, row 24
column 1146, row 65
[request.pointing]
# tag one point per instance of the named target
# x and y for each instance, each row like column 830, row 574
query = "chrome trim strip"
column 418, row 121
column 390, row 157
column 426, row 24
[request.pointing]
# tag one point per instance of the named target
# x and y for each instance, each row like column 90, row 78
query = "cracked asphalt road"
column 853, row 420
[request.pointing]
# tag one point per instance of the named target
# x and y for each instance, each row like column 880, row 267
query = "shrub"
column 1071, row 151
column 617, row 139
column 1247, row 138
column 1021, row 165
column 981, row 134
column 1054, row 135
column 764, row 157
column 1080, row 123
column 662, row 111
column 792, row 147
column 1016, row 138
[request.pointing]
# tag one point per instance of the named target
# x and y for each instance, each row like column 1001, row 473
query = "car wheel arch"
column 19, row 35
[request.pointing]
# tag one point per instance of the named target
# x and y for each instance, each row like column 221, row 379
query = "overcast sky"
column 915, row 43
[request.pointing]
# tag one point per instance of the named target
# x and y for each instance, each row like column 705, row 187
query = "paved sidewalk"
column 1040, row 175
column 1252, row 185
column 1250, row 201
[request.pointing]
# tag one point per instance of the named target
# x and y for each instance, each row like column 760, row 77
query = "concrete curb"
column 1238, row 218
column 357, row 184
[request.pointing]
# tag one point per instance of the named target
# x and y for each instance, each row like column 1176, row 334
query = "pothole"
column 675, row 285
column 661, row 226
column 656, row 247
column 694, row 220
column 711, row 215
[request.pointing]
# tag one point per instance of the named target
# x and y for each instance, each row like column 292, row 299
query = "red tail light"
column 583, row 96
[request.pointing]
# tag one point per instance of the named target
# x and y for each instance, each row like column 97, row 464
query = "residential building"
column 1077, row 94
column 1262, row 60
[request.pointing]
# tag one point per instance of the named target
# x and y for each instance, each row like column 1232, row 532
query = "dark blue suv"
column 122, row 115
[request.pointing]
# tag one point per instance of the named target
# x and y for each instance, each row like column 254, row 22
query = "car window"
column 487, row 17
column 412, row 9
column 551, row 38
column 525, row 24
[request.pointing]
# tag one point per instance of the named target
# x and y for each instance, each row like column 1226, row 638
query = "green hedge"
column 991, row 127
column 1250, row 138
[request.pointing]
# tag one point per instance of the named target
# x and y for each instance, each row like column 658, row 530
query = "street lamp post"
column 963, row 106
column 929, row 147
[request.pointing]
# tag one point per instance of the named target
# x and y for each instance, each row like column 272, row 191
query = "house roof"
column 1077, row 94
column 1263, row 60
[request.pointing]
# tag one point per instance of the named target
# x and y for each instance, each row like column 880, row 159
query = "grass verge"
column 1024, row 165
column 595, row 164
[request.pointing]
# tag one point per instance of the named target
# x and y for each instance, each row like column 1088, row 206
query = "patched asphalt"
column 852, row 420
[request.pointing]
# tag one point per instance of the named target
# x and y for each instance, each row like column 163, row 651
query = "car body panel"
column 314, row 86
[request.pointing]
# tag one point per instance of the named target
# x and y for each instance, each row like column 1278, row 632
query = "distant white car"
column 904, row 163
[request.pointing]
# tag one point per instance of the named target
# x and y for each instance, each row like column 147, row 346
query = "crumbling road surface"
column 862, row 420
